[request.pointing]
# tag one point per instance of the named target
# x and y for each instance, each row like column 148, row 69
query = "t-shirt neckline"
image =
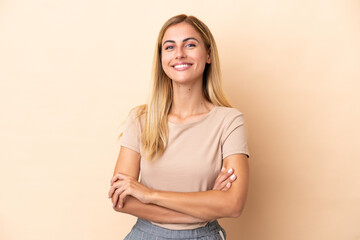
column 195, row 122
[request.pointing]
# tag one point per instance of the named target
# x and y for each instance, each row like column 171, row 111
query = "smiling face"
column 183, row 53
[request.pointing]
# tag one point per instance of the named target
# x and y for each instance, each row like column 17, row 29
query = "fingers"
column 116, row 194
column 116, row 197
column 219, row 180
column 227, row 187
column 114, row 179
column 117, row 176
column 111, row 192
column 224, row 179
column 231, row 179
column 123, row 197
column 119, row 190
column 225, row 174
column 113, row 188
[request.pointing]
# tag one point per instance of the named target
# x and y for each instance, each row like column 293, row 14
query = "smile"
column 182, row 66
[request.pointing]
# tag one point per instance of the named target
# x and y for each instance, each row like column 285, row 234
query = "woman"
column 187, row 143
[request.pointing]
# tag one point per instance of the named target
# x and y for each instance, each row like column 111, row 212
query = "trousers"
column 145, row 230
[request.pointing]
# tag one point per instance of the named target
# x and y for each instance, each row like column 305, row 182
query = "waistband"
column 208, row 230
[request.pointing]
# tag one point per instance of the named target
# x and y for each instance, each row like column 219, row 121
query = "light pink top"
column 193, row 158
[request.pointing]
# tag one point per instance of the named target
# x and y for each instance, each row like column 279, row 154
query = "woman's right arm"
column 128, row 163
column 155, row 213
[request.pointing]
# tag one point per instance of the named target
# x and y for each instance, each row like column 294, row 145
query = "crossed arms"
column 227, row 199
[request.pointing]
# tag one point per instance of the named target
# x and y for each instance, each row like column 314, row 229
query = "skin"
column 129, row 162
column 181, row 45
column 206, row 205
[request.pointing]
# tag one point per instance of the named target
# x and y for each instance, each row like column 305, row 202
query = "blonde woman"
column 188, row 144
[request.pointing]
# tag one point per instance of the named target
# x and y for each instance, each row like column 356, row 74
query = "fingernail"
column 232, row 177
column 222, row 169
column 230, row 170
column 228, row 184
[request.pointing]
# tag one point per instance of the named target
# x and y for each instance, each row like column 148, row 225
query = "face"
column 183, row 53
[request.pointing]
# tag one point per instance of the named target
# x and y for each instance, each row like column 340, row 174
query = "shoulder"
column 138, row 113
column 135, row 121
column 228, row 118
column 228, row 113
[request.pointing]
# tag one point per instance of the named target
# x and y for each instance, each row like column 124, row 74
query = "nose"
column 180, row 53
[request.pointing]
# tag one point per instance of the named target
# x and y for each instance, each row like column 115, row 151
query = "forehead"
column 181, row 31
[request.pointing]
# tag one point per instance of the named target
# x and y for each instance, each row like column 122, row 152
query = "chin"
column 182, row 81
column 185, row 80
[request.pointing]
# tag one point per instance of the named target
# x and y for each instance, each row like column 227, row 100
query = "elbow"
column 236, row 209
column 236, row 212
column 117, row 209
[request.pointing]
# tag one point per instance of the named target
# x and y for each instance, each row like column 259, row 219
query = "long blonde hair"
column 155, row 132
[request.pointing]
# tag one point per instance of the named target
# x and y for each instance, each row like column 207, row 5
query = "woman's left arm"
column 207, row 205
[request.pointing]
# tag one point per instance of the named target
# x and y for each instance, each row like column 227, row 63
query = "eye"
column 169, row 47
column 190, row 45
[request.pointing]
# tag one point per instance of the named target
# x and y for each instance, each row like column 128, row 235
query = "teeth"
column 181, row 66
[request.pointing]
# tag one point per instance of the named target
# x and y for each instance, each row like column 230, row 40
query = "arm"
column 155, row 213
column 128, row 163
column 211, row 204
column 206, row 205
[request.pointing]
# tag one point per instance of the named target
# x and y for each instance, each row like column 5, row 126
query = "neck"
column 188, row 100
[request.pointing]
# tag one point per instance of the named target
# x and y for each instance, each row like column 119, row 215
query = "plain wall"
column 70, row 71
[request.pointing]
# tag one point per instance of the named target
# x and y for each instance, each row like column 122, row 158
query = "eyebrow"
column 186, row 39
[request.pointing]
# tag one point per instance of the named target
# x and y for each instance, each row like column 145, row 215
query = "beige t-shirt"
column 193, row 158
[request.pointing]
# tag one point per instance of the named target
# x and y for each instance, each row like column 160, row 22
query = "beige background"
column 71, row 70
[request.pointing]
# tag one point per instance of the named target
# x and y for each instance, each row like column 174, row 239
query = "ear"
column 208, row 59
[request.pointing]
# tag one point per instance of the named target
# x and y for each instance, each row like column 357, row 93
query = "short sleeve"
column 131, row 134
column 234, row 136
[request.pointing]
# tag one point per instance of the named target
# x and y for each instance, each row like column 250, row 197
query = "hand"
column 224, row 180
column 123, row 185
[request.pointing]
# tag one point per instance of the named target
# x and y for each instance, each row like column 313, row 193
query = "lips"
column 182, row 66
